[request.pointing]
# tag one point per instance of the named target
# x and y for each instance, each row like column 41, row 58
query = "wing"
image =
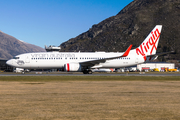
column 98, row 61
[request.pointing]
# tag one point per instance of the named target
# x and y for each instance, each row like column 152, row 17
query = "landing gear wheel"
column 87, row 72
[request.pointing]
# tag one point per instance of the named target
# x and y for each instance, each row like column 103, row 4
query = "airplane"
column 87, row 61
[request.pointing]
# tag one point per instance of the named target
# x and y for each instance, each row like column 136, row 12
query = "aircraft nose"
column 9, row 62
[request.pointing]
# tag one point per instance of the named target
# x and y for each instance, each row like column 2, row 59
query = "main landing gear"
column 87, row 72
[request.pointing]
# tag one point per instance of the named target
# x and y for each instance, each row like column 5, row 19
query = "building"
column 5, row 67
column 160, row 66
column 52, row 48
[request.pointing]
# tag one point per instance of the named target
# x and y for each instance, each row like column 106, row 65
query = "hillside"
column 131, row 26
column 10, row 46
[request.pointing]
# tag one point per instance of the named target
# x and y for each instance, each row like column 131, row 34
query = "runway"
column 94, row 74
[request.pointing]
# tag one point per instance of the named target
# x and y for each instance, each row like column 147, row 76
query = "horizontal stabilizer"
column 160, row 54
column 155, row 56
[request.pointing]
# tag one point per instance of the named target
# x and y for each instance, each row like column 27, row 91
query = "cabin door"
column 27, row 59
column 136, row 61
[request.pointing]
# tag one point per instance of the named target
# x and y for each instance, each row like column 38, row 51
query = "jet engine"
column 72, row 67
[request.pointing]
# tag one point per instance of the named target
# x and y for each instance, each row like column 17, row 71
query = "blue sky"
column 52, row 22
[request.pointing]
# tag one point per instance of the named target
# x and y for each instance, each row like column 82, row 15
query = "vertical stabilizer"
column 149, row 45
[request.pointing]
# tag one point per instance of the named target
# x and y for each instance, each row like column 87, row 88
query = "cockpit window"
column 15, row 57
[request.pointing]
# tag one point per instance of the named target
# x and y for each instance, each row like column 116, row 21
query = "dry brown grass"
column 124, row 100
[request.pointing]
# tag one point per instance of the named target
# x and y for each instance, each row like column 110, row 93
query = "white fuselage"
column 46, row 60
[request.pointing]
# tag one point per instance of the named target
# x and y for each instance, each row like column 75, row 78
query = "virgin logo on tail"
column 149, row 44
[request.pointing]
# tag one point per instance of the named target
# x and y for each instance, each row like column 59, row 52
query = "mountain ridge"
column 131, row 26
column 10, row 46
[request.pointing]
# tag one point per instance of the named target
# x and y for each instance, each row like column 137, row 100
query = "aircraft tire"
column 89, row 71
column 85, row 72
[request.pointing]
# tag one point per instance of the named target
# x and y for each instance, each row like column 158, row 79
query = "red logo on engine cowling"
column 149, row 45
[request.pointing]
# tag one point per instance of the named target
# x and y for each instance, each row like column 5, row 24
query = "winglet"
column 126, row 53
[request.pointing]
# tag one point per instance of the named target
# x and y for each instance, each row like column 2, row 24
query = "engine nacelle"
column 72, row 67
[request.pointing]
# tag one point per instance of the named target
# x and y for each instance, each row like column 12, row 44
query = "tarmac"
column 94, row 74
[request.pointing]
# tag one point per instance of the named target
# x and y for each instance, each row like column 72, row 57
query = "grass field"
column 91, row 97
